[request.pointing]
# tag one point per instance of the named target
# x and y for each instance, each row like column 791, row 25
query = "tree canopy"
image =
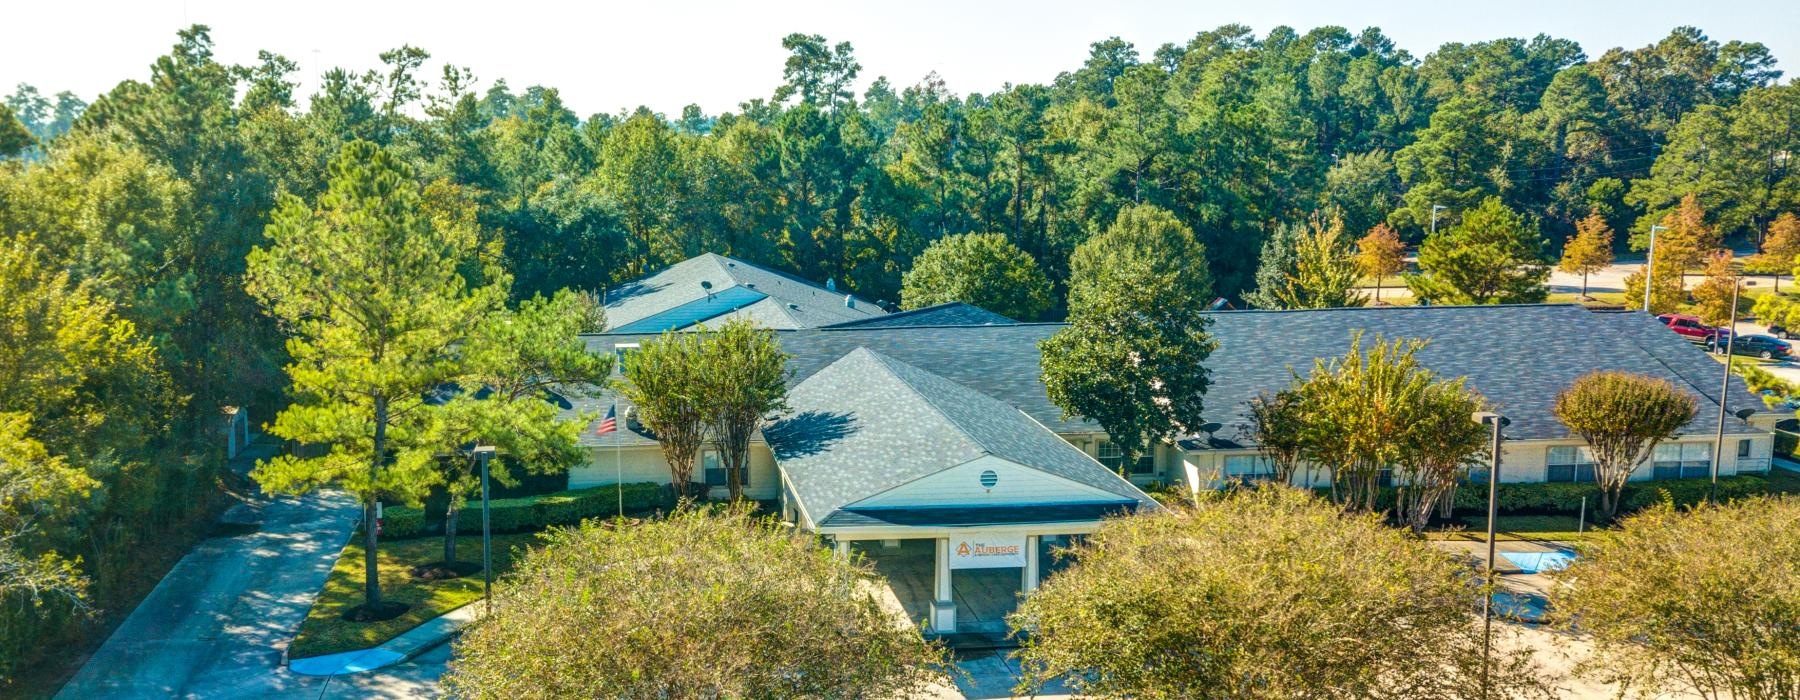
column 1280, row 596
column 1494, row 255
column 981, row 269
column 699, row 604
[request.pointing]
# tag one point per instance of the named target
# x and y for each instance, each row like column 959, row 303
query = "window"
column 1569, row 463
column 713, row 469
column 620, row 352
column 1682, row 460
column 1477, row 474
column 1747, row 458
column 1112, row 457
column 1743, row 448
column 1247, row 468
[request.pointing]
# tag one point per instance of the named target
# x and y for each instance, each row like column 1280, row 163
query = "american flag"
column 610, row 423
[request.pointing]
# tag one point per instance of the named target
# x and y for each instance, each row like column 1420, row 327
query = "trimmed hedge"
column 531, row 512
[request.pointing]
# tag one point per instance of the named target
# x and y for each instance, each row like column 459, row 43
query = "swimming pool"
column 1539, row 562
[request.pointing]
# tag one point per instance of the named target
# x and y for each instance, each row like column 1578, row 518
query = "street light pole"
column 1737, row 284
column 1487, row 597
column 1435, row 208
column 483, row 454
column 1650, row 266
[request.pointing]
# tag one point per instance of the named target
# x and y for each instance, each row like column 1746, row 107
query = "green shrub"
column 531, row 512
column 1565, row 498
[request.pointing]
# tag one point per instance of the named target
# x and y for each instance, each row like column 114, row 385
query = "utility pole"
column 1650, row 266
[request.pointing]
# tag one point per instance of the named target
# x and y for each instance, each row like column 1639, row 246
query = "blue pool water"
column 1538, row 562
column 1519, row 606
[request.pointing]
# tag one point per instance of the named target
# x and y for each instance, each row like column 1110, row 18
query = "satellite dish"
column 1210, row 428
column 705, row 285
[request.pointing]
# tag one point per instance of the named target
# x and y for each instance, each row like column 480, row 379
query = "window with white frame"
column 1682, row 460
column 713, row 466
column 1111, row 456
column 621, row 351
column 1569, row 463
column 1248, row 468
column 1751, row 458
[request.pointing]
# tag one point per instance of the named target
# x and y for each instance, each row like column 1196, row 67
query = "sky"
column 612, row 56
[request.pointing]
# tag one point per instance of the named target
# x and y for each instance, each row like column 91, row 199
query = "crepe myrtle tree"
column 707, row 603
column 1132, row 357
column 744, row 381
column 518, row 362
column 665, row 379
column 1622, row 416
column 1282, row 595
column 1700, row 602
column 1277, row 424
column 1437, row 445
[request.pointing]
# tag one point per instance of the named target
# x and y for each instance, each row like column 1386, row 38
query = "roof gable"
column 954, row 313
column 712, row 286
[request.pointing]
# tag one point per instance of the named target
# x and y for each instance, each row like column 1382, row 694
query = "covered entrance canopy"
column 876, row 449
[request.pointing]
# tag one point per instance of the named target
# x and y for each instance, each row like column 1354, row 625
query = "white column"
column 842, row 546
column 943, row 606
column 1030, row 582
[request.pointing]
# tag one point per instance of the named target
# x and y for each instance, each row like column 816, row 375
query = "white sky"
column 607, row 56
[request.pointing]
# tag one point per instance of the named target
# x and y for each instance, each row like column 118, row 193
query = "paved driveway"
column 217, row 625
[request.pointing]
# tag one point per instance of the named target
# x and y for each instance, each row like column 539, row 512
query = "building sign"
column 987, row 551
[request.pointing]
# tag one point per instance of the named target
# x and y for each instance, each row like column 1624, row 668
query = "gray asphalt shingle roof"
column 787, row 301
column 953, row 313
column 1519, row 357
column 867, row 423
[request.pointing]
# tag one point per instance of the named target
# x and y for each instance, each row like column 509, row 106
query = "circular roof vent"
column 989, row 478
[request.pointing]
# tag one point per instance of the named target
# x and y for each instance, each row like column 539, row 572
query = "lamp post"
column 1435, row 208
column 483, row 454
column 1737, row 285
column 1487, row 597
column 1650, row 266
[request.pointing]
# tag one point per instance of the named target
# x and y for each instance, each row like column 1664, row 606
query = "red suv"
column 1689, row 327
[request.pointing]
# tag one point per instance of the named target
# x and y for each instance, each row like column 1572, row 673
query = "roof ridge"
column 890, row 365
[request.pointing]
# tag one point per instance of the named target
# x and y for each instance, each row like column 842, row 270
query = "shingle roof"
column 868, row 423
column 676, row 298
column 953, row 313
column 1519, row 357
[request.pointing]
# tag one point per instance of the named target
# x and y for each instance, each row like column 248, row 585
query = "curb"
column 376, row 657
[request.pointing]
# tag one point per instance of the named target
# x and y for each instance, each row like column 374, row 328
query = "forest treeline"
column 125, row 327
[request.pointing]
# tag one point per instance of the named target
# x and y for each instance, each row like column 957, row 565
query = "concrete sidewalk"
column 411, row 643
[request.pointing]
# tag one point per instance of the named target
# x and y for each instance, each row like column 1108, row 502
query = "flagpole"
column 619, row 469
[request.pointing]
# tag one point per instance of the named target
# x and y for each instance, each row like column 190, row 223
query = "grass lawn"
column 1600, row 298
column 325, row 631
column 1514, row 527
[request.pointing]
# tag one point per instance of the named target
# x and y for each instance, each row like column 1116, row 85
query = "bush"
column 1785, row 443
column 1565, row 498
column 531, row 512
column 707, row 603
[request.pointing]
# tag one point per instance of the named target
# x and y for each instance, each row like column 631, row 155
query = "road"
column 1611, row 279
column 217, row 624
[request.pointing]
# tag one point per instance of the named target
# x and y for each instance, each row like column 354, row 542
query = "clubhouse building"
column 926, row 439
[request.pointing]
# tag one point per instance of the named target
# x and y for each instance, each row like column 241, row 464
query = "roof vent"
column 751, row 285
column 831, row 285
column 794, row 306
column 849, row 302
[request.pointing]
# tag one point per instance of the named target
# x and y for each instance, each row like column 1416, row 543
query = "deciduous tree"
column 1319, row 273
column 1379, row 253
column 744, row 377
column 701, row 604
column 665, row 379
column 1622, row 416
column 1698, row 602
column 1277, row 600
column 1713, row 297
column 984, row 269
column 1589, row 250
column 1133, row 355
column 1780, row 250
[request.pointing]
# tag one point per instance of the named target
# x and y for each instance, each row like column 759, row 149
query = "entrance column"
column 1030, row 573
column 943, row 607
column 842, row 546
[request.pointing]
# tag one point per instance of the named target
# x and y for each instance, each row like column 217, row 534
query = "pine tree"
column 1276, row 266
column 1493, row 256
column 372, row 293
column 1588, row 251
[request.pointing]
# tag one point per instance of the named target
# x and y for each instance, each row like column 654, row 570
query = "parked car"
column 1781, row 332
column 1763, row 346
column 1688, row 327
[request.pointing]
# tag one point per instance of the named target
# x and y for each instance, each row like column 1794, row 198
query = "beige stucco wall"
column 1520, row 462
column 640, row 464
